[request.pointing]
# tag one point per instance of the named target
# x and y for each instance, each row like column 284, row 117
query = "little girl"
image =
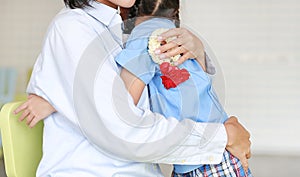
column 192, row 97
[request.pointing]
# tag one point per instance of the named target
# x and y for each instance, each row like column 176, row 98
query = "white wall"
column 255, row 41
column 257, row 45
column 22, row 28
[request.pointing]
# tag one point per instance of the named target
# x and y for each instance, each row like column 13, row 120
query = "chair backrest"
column 22, row 146
column 8, row 80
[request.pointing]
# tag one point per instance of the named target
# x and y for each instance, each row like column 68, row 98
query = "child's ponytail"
column 156, row 8
column 160, row 8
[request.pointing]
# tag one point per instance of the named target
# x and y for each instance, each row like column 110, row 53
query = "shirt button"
column 211, row 158
column 183, row 161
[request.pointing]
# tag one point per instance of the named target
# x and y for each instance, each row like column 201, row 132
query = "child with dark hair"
column 192, row 97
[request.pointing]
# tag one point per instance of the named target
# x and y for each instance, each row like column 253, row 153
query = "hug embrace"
column 119, row 108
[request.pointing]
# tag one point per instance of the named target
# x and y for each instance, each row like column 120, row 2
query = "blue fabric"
column 194, row 99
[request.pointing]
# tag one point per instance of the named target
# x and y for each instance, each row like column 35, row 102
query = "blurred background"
column 257, row 44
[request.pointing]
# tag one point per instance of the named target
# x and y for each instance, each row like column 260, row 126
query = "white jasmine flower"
column 154, row 44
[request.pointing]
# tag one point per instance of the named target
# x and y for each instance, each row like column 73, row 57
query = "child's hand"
column 34, row 109
column 238, row 141
column 186, row 43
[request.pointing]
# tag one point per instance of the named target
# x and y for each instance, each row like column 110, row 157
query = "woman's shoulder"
column 70, row 18
column 71, row 28
column 71, row 23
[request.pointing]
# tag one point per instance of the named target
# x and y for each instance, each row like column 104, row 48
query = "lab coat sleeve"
column 132, row 133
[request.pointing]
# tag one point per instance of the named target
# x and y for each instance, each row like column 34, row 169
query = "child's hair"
column 155, row 8
column 159, row 8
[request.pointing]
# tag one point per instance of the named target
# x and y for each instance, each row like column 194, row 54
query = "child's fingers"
column 34, row 122
column 24, row 115
column 30, row 117
column 22, row 107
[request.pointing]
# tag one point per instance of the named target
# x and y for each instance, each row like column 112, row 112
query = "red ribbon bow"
column 172, row 75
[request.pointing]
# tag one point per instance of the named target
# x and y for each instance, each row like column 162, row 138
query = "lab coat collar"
column 101, row 12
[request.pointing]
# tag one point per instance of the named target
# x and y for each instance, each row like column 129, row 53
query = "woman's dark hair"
column 156, row 8
column 73, row 4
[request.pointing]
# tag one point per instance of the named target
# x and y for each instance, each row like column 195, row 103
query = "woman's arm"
column 34, row 110
column 134, row 85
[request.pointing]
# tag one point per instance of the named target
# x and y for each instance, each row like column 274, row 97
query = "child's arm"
column 134, row 85
column 34, row 110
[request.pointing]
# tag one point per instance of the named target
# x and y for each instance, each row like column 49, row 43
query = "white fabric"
column 67, row 152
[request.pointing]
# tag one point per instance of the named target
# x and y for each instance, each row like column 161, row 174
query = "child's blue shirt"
column 193, row 99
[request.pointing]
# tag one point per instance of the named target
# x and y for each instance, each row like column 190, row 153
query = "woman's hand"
column 186, row 44
column 34, row 110
column 238, row 141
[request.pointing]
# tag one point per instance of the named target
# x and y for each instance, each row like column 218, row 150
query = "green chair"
column 22, row 146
